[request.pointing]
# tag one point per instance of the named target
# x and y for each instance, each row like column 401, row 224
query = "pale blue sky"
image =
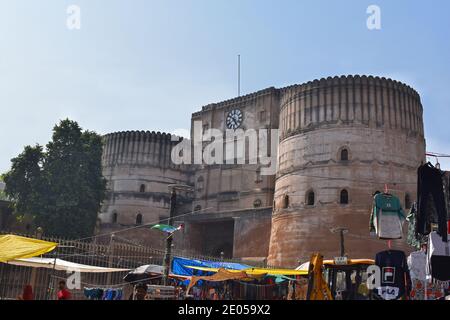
column 149, row 64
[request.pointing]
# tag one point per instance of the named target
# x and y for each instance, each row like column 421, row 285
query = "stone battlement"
column 139, row 148
column 350, row 79
column 238, row 100
column 366, row 100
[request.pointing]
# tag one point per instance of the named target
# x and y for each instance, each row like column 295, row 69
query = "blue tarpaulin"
column 180, row 266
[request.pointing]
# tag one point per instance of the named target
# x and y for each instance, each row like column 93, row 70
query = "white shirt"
column 417, row 264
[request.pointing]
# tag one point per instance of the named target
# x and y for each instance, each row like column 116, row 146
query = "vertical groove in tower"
column 379, row 122
column 138, row 168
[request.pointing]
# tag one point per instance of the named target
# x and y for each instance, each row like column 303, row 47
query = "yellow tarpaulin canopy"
column 16, row 247
column 259, row 271
column 350, row 262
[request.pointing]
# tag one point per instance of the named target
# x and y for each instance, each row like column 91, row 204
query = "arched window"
column 142, row 188
column 310, row 198
column 407, row 201
column 344, row 197
column 344, row 154
column 139, row 219
column 257, row 203
column 285, row 201
column 258, row 177
column 114, row 217
column 200, row 183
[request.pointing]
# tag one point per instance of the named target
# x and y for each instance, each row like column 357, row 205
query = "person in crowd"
column 182, row 293
column 63, row 292
column 27, row 293
column 140, row 292
column 211, row 293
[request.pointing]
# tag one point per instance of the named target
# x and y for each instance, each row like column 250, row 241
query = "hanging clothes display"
column 446, row 184
column 113, row 294
column 417, row 262
column 413, row 239
column 395, row 278
column 438, row 258
column 387, row 216
column 93, row 293
column 430, row 186
column 103, row 294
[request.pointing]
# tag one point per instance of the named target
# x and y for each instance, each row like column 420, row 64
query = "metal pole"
column 51, row 284
column 110, row 258
column 342, row 242
column 341, row 231
column 239, row 75
column 2, row 283
column 52, row 279
column 169, row 240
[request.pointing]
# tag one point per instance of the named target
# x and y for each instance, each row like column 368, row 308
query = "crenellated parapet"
column 367, row 100
column 138, row 148
column 237, row 101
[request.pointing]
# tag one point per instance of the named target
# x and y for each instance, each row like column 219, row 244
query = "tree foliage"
column 62, row 187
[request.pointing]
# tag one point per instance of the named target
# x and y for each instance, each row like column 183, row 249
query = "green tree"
column 24, row 183
column 2, row 192
column 68, row 187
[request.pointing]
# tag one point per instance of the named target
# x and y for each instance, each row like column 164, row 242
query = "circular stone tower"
column 342, row 139
column 138, row 168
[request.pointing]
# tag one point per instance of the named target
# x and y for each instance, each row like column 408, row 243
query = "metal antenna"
column 239, row 75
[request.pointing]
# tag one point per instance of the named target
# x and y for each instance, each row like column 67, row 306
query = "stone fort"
column 340, row 140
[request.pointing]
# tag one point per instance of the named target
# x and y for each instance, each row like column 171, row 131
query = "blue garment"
column 93, row 293
column 119, row 295
column 110, row 294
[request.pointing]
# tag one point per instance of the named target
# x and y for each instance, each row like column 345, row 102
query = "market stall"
column 14, row 247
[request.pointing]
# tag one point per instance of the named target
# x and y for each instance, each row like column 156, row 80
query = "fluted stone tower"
column 342, row 139
column 138, row 168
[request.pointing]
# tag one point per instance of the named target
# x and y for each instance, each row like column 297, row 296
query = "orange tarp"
column 220, row 275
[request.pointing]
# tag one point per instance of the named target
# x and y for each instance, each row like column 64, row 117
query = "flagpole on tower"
column 239, row 75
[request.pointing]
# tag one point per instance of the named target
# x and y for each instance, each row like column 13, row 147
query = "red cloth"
column 63, row 294
column 27, row 293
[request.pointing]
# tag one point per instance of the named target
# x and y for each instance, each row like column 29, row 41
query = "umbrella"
column 146, row 272
column 166, row 228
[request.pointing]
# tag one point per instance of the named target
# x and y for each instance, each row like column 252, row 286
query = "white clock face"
column 234, row 119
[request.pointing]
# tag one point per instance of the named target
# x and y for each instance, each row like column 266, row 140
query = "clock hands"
column 234, row 119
